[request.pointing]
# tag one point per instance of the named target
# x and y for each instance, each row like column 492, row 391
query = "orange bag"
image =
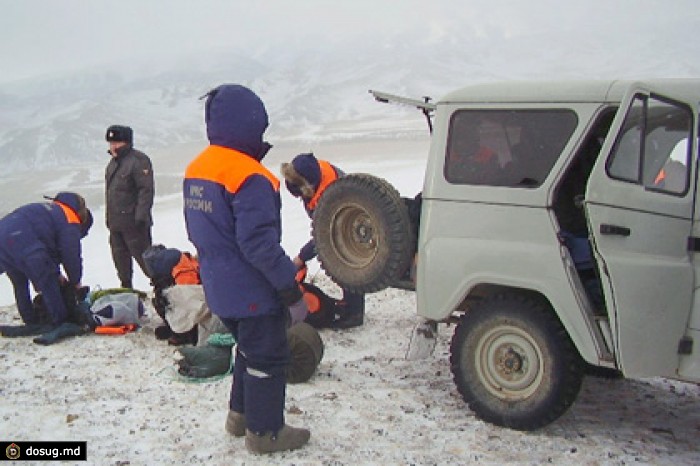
column 115, row 329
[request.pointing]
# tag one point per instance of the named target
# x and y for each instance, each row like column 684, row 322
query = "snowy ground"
column 365, row 405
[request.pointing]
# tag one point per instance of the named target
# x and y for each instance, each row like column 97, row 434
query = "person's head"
column 77, row 204
column 86, row 223
column 236, row 118
column 302, row 176
column 119, row 136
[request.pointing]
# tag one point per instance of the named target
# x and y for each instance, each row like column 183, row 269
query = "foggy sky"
column 41, row 37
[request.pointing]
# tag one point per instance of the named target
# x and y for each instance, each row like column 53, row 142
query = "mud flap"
column 423, row 340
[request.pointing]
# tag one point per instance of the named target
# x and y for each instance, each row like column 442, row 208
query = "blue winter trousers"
column 42, row 271
column 259, row 371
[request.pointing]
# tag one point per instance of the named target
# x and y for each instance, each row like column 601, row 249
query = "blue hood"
column 76, row 202
column 73, row 200
column 236, row 118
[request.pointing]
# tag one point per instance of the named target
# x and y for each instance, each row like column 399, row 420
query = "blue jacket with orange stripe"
column 232, row 211
column 329, row 173
column 307, row 178
column 52, row 228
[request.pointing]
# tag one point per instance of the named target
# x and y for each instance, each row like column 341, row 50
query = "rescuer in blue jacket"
column 307, row 177
column 232, row 211
column 35, row 240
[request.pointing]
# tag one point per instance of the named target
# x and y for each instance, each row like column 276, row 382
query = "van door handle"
column 606, row 229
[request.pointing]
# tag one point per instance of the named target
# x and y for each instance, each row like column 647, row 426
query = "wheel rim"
column 510, row 363
column 352, row 236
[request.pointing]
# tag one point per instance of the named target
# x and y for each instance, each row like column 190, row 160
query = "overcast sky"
column 45, row 36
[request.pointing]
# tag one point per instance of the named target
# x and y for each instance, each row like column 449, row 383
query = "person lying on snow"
column 112, row 312
column 35, row 241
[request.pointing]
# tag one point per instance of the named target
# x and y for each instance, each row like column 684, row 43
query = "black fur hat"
column 118, row 133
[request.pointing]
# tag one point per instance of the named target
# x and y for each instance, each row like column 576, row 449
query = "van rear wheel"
column 513, row 362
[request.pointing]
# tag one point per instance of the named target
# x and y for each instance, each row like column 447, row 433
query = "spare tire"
column 363, row 233
column 306, row 348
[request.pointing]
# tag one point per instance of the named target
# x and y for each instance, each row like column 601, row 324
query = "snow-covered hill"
column 313, row 92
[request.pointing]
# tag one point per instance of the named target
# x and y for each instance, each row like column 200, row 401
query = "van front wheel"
column 513, row 362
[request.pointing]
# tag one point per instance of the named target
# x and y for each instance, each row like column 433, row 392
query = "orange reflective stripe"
column 70, row 214
column 227, row 167
column 328, row 175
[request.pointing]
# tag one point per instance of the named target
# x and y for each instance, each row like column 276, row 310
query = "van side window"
column 654, row 146
column 515, row 148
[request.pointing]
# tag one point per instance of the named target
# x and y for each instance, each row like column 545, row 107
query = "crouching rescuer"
column 35, row 241
column 307, row 178
column 232, row 212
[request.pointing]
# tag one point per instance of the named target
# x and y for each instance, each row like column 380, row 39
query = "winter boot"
column 350, row 311
column 347, row 317
column 186, row 338
column 348, row 320
column 288, row 438
column 163, row 332
column 235, row 424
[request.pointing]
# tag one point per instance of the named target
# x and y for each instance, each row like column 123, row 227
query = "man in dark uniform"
column 129, row 190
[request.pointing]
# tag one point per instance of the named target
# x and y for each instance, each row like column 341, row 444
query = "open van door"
column 639, row 205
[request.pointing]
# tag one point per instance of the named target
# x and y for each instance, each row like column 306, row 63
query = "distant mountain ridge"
column 310, row 94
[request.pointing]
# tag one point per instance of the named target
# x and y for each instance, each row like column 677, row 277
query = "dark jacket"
column 49, row 228
column 232, row 211
column 129, row 189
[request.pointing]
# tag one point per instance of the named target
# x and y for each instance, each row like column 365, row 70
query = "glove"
column 301, row 274
column 298, row 311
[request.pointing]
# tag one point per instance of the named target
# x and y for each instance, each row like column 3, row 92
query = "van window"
column 654, row 146
column 515, row 148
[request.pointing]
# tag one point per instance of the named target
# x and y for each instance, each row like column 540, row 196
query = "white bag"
column 117, row 309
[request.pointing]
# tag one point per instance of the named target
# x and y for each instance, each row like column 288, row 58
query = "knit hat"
column 303, row 176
